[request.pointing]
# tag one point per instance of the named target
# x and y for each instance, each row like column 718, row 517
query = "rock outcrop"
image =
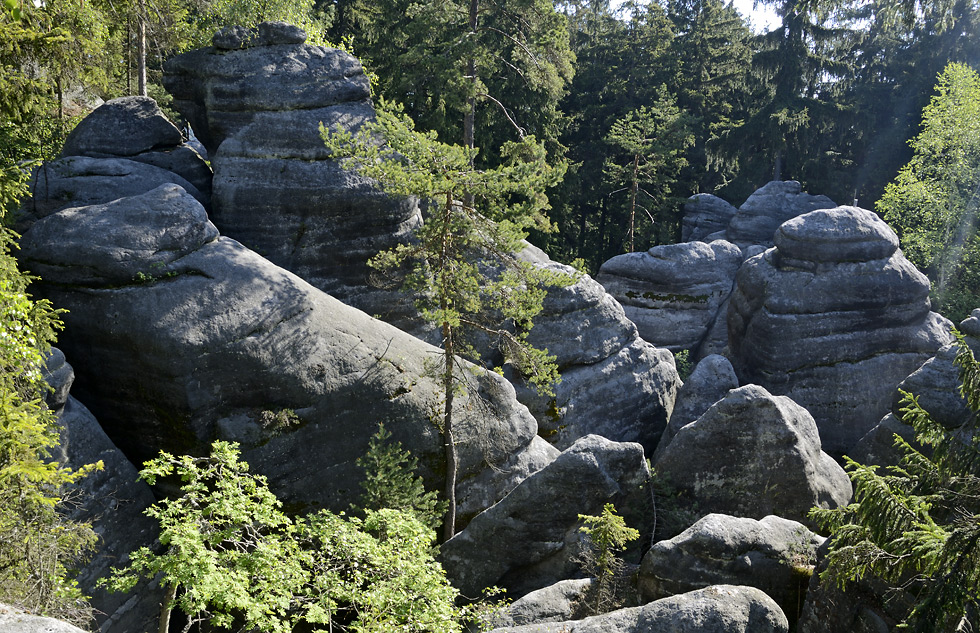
column 705, row 215
column 775, row 555
column 257, row 107
column 112, row 500
column 136, row 129
column 555, row 603
column 673, row 293
column 834, row 317
column 531, row 538
column 180, row 337
column 753, row 454
column 767, row 208
column 717, row 609
column 13, row 620
column 713, row 377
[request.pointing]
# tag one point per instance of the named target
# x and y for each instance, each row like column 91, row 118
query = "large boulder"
column 14, row 620
column 673, row 293
column 181, row 337
column 775, row 555
column 705, row 215
column 834, row 317
column 771, row 205
column 713, row 377
column 257, row 107
column 753, row 454
column 555, row 603
column 717, row 609
column 135, row 128
column 531, row 538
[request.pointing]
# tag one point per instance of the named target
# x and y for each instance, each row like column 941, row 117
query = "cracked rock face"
column 180, row 336
column 834, row 317
column 753, row 454
column 771, row 205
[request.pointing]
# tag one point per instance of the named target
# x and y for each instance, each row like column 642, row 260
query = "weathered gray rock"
column 771, row 205
column 122, row 127
column 753, row 454
column 112, row 500
column 717, row 609
column 258, row 110
column 713, row 377
column 836, row 335
column 775, row 555
column 531, row 539
column 554, row 603
column 79, row 181
column 704, row 216
column 211, row 335
column 673, row 293
column 13, row 620
column 265, row 34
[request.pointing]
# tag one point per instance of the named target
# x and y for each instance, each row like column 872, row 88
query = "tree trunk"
column 141, row 47
column 167, row 608
column 634, row 186
column 449, row 440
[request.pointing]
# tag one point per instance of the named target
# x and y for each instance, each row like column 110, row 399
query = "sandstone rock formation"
column 705, row 215
column 834, row 317
column 753, row 454
column 775, row 555
column 112, row 500
column 136, row 129
column 717, row 609
column 13, row 620
column 180, row 337
column 673, row 293
column 768, row 207
column 555, row 603
column 257, row 106
column 531, row 538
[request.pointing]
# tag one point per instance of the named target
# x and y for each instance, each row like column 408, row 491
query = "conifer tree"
column 918, row 524
column 462, row 264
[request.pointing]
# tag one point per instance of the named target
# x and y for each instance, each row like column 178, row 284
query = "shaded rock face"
column 180, row 337
column 531, row 538
column 753, row 454
column 936, row 384
column 257, row 109
column 834, row 317
column 771, row 205
column 775, row 555
column 673, row 293
column 136, row 129
column 705, row 215
column 112, row 500
column 713, row 377
column 717, row 609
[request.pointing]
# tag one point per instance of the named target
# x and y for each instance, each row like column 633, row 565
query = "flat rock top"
column 122, row 127
column 843, row 234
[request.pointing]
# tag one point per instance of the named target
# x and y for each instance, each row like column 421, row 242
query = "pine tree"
column 918, row 524
column 462, row 264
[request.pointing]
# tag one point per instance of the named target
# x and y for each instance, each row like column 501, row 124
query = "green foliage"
column 390, row 481
column 682, row 360
column 462, row 264
column 934, row 204
column 918, row 524
column 39, row 546
column 249, row 13
column 608, row 536
column 232, row 558
column 648, row 143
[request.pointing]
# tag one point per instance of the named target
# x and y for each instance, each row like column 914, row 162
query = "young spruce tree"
column 918, row 524
column 461, row 264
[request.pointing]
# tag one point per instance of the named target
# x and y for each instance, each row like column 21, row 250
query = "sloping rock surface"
column 753, row 454
column 13, row 620
column 717, row 609
column 673, row 293
column 531, row 538
column 554, row 603
column 704, row 215
column 836, row 333
column 771, row 205
column 775, row 555
column 181, row 337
